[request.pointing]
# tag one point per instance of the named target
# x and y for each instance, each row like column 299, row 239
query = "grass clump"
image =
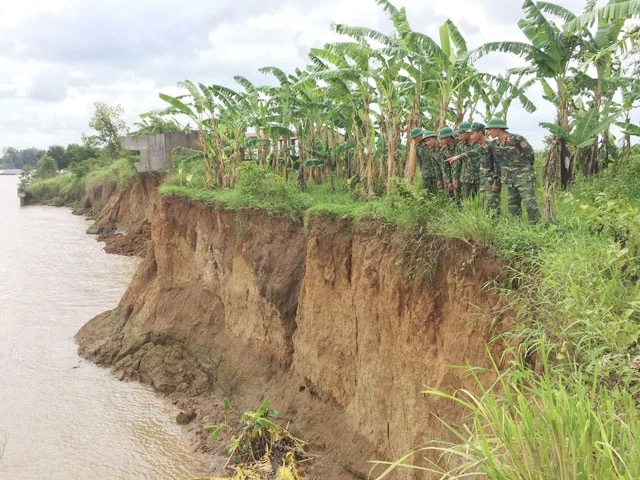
column 257, row 188
column 534, row 426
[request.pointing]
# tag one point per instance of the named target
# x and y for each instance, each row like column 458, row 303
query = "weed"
column 260, row 447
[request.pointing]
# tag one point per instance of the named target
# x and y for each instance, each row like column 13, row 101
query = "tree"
column 14, row 158
column 549, row 52
column 109, row 126
column 60, row 155
column 153, row 123
column 46, row 168
column 79, row 153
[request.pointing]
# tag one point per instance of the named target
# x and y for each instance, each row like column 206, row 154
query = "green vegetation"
column 86, row 165
column 574, row 285
column 69, row 188
column 261, row 447
column 348, row 114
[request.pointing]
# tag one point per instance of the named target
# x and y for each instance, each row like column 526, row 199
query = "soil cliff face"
column 326, row 322
column 123, row 215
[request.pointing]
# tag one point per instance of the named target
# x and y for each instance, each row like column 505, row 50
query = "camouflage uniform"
column 447, row 171
column 468, row 171
column 483, row 166
column 515, row 162
column 428, row 162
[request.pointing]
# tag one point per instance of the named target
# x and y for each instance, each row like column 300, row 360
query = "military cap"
column 477, row 127
column 415, row 132
column 463, row 127
column 446, row 132
column 497, row 123
column 428, row 134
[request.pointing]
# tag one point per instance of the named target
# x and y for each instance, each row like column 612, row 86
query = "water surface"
column 63, row 417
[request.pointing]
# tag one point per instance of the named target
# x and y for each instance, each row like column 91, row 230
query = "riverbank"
column 324, row 320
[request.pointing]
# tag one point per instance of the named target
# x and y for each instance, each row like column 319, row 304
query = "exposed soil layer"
column 123, row 216
column 325, row 321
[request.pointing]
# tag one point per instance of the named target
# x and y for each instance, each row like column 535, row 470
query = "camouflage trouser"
column 493, row 199
column 468, row 189
column 523, row 192
column 430, row 184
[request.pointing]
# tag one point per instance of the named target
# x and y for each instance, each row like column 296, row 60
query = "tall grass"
column 574, row 287
column 59, row 190
column 531, row 427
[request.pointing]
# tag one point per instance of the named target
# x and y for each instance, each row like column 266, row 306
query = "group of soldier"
column 465, row 162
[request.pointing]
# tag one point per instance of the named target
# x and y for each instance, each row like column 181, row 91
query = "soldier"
column 428, row 157
column 462, row 146
column 514, row 157
column 448, row 143
column 481, row 168
column 416, row 138
column 416, row 135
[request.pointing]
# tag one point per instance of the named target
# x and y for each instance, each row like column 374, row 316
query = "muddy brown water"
column 60, row 416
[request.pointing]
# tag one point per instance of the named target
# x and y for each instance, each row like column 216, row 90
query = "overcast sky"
column 58, row 57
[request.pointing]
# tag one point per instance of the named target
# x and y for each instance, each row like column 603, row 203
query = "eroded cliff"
column 326, row 321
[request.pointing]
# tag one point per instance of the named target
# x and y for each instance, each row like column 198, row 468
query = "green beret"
column 428, row 134
column 497, row 123
column 416, row 132
column 463, row 127
column 446, row 132
column 476, row 127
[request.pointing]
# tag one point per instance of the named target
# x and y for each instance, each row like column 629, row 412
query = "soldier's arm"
column 527, row 151
column 446, row 169
column 495, row 170
column 473, row 154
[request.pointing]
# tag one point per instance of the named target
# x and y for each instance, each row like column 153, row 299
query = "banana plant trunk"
column 391, row 141
column 592, row 166
column 414, row 121
column 559, row 158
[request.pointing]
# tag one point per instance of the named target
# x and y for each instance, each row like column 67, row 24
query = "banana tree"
column 385, row 72
column 549, row 52
column 199, row 109
column 351, row 71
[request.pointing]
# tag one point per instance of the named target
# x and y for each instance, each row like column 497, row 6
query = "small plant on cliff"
column 261, row 447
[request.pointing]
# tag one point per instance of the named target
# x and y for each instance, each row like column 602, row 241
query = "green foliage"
column 257, row 188
column 258, row 439
column 116, row 173
column 70, row 187
column 60, row 155
column 15, row 158
column 60, row 190
column 109, row 126
column 80, row 153
column 46, row 167
column 153, row 123
column 540, row 426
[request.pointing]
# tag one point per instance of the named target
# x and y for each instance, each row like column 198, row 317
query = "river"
column 62, row 417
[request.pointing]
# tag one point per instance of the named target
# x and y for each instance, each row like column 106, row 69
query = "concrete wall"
column 155, row 150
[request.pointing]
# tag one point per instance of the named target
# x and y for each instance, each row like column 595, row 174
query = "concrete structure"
column 155, row 150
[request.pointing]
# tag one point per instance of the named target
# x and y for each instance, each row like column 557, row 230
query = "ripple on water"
column 67, row 418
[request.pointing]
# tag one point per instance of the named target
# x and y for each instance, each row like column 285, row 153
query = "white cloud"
column 58, row 57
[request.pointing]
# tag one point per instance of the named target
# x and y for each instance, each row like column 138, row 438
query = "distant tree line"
column 108, row 126
column 62, row 156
